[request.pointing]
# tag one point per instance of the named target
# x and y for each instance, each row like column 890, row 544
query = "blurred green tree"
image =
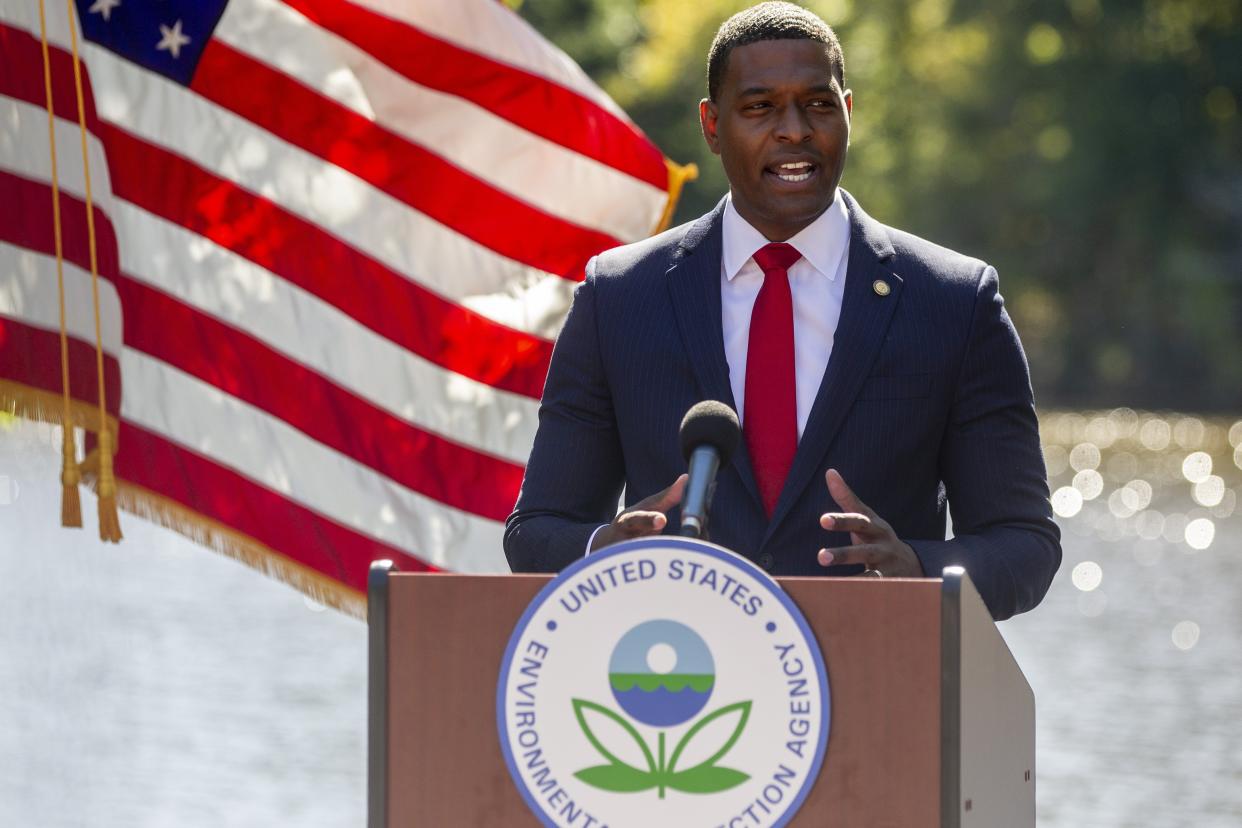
column 1090, row 149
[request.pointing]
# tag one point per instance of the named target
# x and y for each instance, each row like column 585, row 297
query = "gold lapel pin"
column 881, row 287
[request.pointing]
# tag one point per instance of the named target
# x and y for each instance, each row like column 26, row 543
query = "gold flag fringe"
column 678, row 175
column 20, row 400
column 214, row 535
column 42, row 406
column 29, row 403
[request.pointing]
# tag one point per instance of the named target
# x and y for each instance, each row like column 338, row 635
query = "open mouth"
column 793, row 172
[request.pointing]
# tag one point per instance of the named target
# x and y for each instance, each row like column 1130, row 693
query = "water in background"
column 156, row 684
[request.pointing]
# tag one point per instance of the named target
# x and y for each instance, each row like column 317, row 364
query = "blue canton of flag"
column 165, row 36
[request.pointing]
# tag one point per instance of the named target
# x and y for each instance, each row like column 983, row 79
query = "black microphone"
column 709, row 436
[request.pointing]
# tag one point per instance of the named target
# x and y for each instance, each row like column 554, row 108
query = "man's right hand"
column 646, row 517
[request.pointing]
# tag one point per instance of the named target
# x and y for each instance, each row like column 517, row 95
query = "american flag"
column 341, row 238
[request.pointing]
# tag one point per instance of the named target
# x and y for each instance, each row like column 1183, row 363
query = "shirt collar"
column 823, row 242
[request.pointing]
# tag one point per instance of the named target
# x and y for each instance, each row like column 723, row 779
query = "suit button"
column 766, row 561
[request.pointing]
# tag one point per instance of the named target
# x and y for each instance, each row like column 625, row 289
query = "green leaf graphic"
column 705, row 779
column 582, row 705
column 743, row 707
column 617, row 778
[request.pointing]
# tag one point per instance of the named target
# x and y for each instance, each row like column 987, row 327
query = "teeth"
column 794, row 178
column 796, row 165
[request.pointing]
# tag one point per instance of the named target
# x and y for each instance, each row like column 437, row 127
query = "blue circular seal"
column 666, row 681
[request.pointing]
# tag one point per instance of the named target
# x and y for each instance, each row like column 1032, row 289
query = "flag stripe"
column 23, row 129
column 27, row 352
column 498, row 289
column 29, row 293
column 421, row 179
column 444, row 333
column 554, row 179
column 234, row 150
column 499, row 422
column 26, row 221
column 239, row 293
column 248, row 370
column 272, row 453
column 491, row 78
column 200, row 484
column 328, row 264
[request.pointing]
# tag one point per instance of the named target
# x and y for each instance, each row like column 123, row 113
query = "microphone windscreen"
column 710, row 423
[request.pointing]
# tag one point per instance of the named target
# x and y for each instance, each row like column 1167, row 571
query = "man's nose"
column 793, row 125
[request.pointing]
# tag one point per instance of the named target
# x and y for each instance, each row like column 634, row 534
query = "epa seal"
column 663, row 681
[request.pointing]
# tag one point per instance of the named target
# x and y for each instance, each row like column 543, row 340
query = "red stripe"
column 26, row 220
column 220, row 494
column 303, row 117
column 247, row 369
column 303, row 253
column 31, row 356
column 21, row 77
column 404, row 170
column 533, row 102
column 299, row 251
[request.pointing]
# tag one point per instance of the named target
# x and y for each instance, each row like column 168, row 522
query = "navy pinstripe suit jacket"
column 926, row 398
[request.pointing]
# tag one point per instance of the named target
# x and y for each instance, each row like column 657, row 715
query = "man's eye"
column 759, row 105
column 822, row 104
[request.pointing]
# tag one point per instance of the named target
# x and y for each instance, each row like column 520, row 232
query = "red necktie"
column 770, row 416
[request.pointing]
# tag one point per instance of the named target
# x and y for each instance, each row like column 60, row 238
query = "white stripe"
column 24, row 151
column 407, row 241
column 554, row 179
column 308, row 330
column 273, row 454
column 493, row 30
column 28, row 294
column 240, row 293
column 235, row 290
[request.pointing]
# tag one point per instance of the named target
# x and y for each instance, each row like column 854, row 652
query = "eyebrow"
column 818, row 89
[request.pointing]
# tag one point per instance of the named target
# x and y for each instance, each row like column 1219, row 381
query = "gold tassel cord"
column 678, row 175
column 70, row 474
column 109, row 522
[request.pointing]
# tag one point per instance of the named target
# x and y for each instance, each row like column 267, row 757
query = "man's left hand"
column 874, row 544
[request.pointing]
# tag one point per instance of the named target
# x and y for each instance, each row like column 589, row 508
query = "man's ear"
column 708, row 114
column 849, row 102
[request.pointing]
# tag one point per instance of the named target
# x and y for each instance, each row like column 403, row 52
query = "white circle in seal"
column 596, row 736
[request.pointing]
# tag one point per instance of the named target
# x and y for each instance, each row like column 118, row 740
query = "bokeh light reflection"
column 1197, row 466
column 1185, row 635
column 1200, row 533
column 1089, row 484
column 1087, row 576
column 1085, row 456
column 1066, row 501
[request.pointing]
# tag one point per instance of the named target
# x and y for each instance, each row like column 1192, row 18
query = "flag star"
column 104, row 7
column 171, row 39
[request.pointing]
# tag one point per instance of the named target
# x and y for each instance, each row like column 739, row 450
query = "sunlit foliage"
column 1090, row 149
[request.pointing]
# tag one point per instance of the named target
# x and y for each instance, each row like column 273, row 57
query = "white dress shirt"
column 817, row 282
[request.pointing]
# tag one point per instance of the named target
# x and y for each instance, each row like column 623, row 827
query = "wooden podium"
column 933, row 724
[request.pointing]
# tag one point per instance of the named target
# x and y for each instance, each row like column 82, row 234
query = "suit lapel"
column 694, row 291
column 865, row 317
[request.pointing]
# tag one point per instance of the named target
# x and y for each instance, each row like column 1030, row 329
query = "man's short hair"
column 769, row 21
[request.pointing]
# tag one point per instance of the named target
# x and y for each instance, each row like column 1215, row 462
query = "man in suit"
column 851, row 351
